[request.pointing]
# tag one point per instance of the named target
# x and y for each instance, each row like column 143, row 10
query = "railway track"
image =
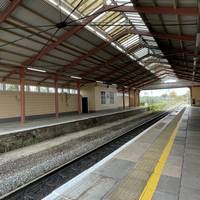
column 45, row 184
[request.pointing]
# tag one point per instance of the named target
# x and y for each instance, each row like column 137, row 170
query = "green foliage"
column 157, row 103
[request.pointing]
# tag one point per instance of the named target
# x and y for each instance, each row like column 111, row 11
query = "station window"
column 44, row 89
column 60, row 90
column 65, row 90
column 72, row 91
column 75, row 91
column 51, row 90
column 1, row 86
column 103, row 97
column 119, row 94
column 33, row 88
column 111, row 97
column 11, row 87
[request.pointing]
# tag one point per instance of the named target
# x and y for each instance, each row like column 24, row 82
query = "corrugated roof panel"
column 4, row 4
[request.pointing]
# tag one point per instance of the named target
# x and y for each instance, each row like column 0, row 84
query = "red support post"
column 134, row 97
column 123, row 98
column 78, row 98
column 129, row 97
column 56, row 96
column 22, row 95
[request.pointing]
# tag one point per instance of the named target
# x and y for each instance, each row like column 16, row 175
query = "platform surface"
column 9, row 127
column 180, row 179
column 124, row 173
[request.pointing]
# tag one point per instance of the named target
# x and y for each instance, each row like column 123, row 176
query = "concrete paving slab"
column 134, row 152
column 180, row 142
column 169, row 185
column 149, row 138
column 92, row 187
column 189, row 151
column 175, row 160
column 173, row 166
column 191, row 178
column 187, row 193
column 177, row 150
column 115, row 168
column 191, row 159
column 192, row 146
column 164, row 196
column 173, row 171
column 189, row 133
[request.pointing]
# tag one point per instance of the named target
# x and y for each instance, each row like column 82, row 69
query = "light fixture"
column 170, row 81
column 36, row 70
column 75, row 77
column 100, row 82
column 114, row 84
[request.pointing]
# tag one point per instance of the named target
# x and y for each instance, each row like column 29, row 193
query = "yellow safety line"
column 152, row 183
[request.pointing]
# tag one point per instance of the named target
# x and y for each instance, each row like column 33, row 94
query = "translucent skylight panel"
column 131, row 41
column 148, row 59
column 164, row 60
column 115, row 24
column 150, row 38
column 141, row 28
column 120, row 2
column 110, row 23
column 99, row 17
column 158, row 51
column 152, row 43
column 152, row 65
column 133, row 14
column 142, row 52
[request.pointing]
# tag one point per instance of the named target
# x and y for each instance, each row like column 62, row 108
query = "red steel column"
column 129, row 97
column 56, row 96
column 134, row 96
column 22, row 95
column 78, row 98
column 123, row 98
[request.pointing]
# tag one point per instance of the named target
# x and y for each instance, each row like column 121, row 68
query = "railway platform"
column 150, row 166
column 13, row 135
column 180, row 179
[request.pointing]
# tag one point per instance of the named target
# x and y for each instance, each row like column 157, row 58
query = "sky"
column 179, row 91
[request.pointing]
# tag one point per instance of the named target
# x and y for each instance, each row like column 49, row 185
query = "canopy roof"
column 123, row 42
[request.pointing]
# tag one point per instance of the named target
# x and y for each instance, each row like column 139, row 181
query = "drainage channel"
column 45, row 185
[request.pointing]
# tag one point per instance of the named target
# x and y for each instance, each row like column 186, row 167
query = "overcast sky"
column 179, row 91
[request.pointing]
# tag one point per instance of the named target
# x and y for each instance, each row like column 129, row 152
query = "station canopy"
column 123, row 42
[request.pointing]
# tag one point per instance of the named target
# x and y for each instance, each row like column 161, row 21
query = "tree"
column 173, row 94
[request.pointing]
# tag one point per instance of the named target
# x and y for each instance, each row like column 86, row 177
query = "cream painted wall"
column 89, row 92
column 195, row 94
column 93, row 92
column 36, row 103
column 43, row 103
column 9, row 104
